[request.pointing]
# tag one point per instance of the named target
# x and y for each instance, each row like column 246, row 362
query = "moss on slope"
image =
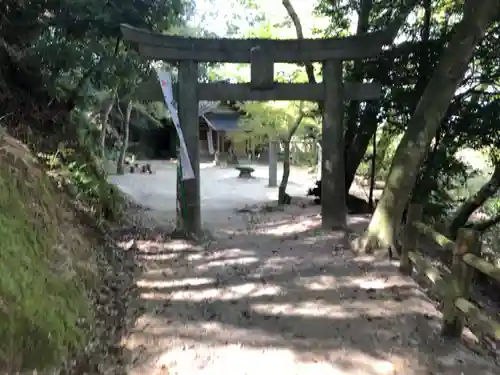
column 46, row 266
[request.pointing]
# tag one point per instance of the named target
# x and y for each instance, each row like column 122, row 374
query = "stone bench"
column 245, row 172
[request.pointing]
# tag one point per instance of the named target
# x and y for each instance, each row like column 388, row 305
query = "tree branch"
column 300, row 35
column 297, row 122
column 70, row 102
column 119, row 108
column 393, row 28
column 477, row 200
column 484, row 225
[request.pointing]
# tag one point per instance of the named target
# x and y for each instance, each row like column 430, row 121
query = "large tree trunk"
column 478, row 16
column 425, row 178
column 126, row 127
column 473, row 203
column 105, row 120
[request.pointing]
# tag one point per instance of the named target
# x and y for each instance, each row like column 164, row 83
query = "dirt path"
column 272, row 293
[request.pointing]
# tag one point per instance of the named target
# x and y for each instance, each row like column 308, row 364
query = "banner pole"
column 183, row 172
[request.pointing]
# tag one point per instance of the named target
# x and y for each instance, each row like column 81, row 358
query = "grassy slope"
column 46, row 266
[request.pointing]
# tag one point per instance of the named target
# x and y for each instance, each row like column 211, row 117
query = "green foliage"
column 77, row 46
column 79, row 171
column 271, row 119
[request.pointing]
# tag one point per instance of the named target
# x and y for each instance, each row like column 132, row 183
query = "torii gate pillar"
column 333, row 194
column 188, row 191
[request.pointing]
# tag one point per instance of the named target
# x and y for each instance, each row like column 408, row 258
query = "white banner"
column 166, row 86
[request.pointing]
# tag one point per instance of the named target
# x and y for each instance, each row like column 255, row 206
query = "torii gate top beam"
column 176, row 48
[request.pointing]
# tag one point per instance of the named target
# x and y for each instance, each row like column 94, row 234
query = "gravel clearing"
column 273, row 293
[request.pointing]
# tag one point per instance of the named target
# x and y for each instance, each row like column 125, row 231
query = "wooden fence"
column 454, row 284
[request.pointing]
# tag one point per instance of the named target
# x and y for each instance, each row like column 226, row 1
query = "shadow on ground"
column 281, row 292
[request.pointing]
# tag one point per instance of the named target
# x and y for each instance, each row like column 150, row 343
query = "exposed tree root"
column 367, row 243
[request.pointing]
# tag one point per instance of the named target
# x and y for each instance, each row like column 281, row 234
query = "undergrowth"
column 80, row 173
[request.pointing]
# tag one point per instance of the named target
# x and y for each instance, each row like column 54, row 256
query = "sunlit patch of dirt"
column 277, row 297
column 299, row 225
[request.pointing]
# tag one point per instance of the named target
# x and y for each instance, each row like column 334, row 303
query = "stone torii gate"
column 262, row 54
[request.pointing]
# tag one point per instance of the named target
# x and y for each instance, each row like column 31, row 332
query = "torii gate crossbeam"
column 262, row 54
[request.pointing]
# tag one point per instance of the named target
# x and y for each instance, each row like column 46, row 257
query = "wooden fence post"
column 410, row 237
column 468, row 241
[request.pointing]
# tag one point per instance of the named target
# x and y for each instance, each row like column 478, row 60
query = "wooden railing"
column 453, row 285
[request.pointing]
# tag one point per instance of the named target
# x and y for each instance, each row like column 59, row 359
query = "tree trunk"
column 426, row 174
column 426, row 181
column 384, row 226
column 424, row 68
column 286, row 153
column 286, row 172
column 105, row 119
column 352, row 116
column 373, row 177
column 273, row 162
column 473, row 203
column 383, row 144
column 319, row 161
column 314, row 152
column 125, row 127
column 366, row 131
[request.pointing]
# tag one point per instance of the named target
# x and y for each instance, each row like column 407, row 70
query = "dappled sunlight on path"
column 278, row 295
